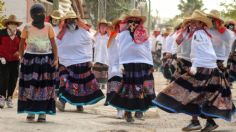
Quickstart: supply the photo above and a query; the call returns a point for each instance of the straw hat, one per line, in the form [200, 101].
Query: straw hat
[169, 30]
[109, 24]
[70, 15]
[199, 16]
[102, 21]
[56, 14]
[215, 14]
[137, 14]
[11, 19]
[117, 20]
[231, 21]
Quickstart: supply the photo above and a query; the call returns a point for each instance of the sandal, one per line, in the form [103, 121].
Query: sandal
[42, 118]
[30, 118]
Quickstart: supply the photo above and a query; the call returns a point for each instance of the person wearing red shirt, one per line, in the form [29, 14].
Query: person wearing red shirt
[9, 59]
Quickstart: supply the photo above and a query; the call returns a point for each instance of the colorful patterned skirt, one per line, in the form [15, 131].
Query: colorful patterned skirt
[232, 68]
[137, 90]
[168, 67]
[101, 72]
[113, 87]
[37, 85]
[205, 94]
[156, 59]
[182, 66]
[78, 85]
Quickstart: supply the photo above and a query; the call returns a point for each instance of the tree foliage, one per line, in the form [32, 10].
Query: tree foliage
[113, 9]
[2, 16]
[186, 7]
[229, 11]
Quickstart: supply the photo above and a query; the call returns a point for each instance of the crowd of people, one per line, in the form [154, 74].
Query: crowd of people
[60, 60]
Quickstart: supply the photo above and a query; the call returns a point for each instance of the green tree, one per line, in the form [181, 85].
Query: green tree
[113, 9]
[229, 11]
[1, 12]
[188, 6]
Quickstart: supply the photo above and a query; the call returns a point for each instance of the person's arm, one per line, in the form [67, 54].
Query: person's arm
[21, 47]
[22, 42]
[54, 47]
[55, 52]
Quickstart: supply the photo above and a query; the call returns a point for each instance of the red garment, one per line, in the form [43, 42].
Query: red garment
[9, 47]
[140, 35]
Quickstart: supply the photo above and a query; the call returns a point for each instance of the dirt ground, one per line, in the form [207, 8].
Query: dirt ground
[100, 118]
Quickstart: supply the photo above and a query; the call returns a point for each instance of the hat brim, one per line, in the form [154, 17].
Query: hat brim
[116, 21]
[54, 17]
[207, 21]
[212, 16]
[70, 17]
[6, 21]
[143, 18]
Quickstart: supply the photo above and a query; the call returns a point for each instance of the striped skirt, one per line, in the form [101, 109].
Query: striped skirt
[113, 86]
[78, 85]
[206, 94]
[232, 68]
[137, 90]
[168, 67]
[182, 66]
[101, 72]
[37, 85]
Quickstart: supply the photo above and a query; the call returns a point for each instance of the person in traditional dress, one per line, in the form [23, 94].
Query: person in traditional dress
[9, 59]
[222, 39]
[78, 85]
[114, 71]
[55, 20]
[155, 48]
[203, 90]
[38, 67]
[100, 67]
[167, 59]
[231, 64]
[137, 90]
[183, 49]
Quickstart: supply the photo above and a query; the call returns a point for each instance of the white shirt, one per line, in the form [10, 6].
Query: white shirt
[129, 52]
[184, 49]
[154, 43]
[100, 46]
[75, 47]
[202, 51]
[114, 66]
[222, 43]
[170, 46]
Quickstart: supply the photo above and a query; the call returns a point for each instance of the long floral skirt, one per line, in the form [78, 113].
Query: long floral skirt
[37, 85]
[78, 85]
[206, 94]
[137, 90]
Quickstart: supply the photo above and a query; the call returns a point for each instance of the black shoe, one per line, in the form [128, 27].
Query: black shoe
[193, 126]
[210, 126]
[80, 108]
[139, 115]
[106, 103]
[128, 117]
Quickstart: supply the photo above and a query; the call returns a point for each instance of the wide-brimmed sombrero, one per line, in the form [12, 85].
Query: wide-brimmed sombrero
[11, 19]
[198, 16]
